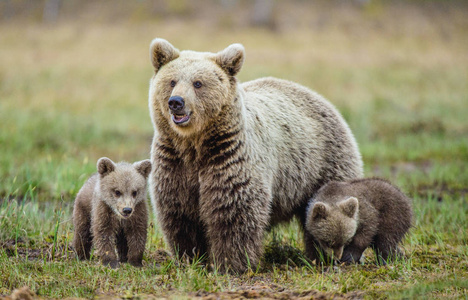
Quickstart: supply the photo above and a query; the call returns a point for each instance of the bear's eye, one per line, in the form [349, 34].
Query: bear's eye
[173, 83]
[197, 84]
[134, 193]
[118, 193]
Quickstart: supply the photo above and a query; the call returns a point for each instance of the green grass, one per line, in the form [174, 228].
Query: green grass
[73, 93]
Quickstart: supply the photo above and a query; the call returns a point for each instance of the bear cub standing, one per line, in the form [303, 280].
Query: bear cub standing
[344, 218]
[111, 212]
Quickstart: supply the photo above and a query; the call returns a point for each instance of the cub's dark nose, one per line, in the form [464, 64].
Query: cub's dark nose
[176, 103]
[126, 211]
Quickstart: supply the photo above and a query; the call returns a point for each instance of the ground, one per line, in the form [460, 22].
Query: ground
[73, 92]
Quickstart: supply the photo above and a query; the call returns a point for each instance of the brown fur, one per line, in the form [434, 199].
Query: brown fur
[23, 293]
[250, 156]
[345, 218]
[98, 213]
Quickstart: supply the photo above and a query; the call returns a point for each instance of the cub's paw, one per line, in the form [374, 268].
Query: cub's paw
[349, 258]
[113, 263]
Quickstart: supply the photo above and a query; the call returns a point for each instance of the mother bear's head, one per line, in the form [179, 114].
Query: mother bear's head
[190, 89]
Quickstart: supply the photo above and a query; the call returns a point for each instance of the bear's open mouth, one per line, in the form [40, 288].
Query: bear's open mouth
[180, 119]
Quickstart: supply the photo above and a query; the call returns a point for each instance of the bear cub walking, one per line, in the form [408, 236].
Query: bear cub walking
[111, 212]
[344, 218]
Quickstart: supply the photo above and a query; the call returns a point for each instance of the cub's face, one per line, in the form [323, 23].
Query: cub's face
[122, 186]
[189, 89]
[333, 225]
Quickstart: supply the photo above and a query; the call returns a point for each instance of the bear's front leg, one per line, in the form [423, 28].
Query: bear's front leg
[104, 227]
[364, 237]
[135, 231]
[184, 236]
[236, 213]
[313, 251]
[175, 196]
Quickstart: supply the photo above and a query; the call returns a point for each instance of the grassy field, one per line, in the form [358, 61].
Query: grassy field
[71, 93]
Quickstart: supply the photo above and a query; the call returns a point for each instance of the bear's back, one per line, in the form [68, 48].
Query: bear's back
[302, 139]
[394, 207]
[85, 195]
[287, 97]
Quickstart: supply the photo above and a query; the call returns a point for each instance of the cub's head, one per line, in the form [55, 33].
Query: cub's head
[122, 185]
[191, 88]
[333, 225]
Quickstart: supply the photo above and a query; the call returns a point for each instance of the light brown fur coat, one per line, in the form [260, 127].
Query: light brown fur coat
[250, 155]
[111, 212]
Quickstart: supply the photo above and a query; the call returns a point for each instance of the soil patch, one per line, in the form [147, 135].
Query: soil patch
[44, 250]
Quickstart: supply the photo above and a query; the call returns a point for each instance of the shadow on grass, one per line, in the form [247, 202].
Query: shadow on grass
[277, 253]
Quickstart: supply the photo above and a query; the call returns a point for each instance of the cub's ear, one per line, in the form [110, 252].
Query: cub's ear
[349, 207]
[105, 166]
[162, 52]
[319, 211]
[231, 59]
[143, 167]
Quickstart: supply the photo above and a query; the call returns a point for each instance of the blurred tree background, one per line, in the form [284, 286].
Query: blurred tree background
[273, 14]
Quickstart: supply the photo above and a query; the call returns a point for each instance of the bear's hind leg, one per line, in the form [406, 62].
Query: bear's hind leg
[386, 250]
[82, 239]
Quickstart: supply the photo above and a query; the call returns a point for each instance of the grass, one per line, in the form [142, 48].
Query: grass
[72, 93]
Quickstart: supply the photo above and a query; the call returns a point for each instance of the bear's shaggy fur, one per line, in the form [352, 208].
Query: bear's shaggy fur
[111, 212]
[229, 159]
[345, 218]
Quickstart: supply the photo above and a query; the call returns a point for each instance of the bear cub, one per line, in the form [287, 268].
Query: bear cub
[344, 218]
[111, 213]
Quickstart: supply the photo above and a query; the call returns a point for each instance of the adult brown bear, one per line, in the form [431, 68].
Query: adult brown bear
[230, 159]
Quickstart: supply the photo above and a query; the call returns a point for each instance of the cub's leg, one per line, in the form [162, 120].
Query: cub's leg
[386, 250]
[135, 233]
[104, 228]
[352, 253]
[363, 238]
[122, 246]
[82, 239]
[313, 251]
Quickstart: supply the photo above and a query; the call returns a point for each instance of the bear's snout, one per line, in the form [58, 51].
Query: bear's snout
[179, 114]
[126, 211]
[176, 104]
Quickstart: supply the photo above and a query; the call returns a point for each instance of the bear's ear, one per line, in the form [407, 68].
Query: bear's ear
[105, 166]
[319, 211]
[162, 52]
[231, 59]
[349, 207]
[143, 167]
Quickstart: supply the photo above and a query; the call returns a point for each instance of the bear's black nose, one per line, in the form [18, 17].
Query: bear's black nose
[176, 103]
[127, 210]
